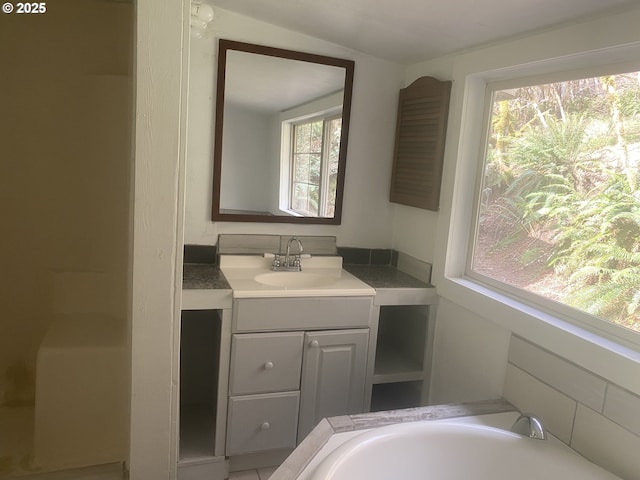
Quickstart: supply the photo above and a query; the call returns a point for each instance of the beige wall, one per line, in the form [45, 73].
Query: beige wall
[65, 157]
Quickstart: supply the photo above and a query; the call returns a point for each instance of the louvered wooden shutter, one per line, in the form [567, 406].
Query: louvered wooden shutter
[421, 127]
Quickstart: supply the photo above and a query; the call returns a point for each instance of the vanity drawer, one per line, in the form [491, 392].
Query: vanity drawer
[304, 313]
[262, 422]
[265, 362]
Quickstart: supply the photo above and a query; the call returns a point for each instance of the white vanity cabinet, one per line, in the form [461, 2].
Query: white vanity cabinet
[264, 395]
[293, 362]
[265, 362]
[333, 376]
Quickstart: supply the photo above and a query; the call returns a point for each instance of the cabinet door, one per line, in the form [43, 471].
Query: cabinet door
[333, 375]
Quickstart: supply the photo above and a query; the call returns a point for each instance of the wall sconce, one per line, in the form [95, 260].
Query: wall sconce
[201, 17]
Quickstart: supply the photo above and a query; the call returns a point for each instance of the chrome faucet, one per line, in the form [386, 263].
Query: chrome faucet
[288, 265]
[296, 260]
[530, 426]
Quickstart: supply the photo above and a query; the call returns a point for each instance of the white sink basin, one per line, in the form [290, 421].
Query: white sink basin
[250, 276]
[295, 279]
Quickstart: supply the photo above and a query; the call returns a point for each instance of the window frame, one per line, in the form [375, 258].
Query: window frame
[287, 122]
[326, 118]
[515, 295]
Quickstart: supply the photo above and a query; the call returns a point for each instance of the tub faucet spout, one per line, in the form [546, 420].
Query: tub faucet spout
[530, 426]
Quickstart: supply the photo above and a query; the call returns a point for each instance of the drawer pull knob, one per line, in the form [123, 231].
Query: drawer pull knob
[268, 365]
[314, 343]
[265, 426]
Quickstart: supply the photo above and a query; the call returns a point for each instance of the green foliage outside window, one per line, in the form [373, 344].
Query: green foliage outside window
[560, 202]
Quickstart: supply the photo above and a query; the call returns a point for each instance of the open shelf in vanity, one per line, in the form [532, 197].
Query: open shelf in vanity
[199, 364]
[403, 351]
[401, 342]
[203, 392]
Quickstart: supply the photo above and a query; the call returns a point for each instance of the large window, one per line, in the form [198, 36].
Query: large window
[314, 166]
[558, 217]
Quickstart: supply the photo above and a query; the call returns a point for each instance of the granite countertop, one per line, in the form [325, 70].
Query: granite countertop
[209, 276]
[205, 286]
[385, 276]
[203, 276]
[320, 435]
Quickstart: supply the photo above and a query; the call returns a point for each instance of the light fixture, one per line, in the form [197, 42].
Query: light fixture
[201, 17]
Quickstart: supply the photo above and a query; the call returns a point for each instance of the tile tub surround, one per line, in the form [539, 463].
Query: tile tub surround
[595, 417]
[320, 435]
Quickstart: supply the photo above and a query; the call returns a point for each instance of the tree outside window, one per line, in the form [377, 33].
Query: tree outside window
[559, 205]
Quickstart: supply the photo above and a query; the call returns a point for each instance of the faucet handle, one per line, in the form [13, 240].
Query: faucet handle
[276, 259]
[297, 258]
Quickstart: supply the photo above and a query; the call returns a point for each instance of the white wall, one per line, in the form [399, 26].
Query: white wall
[248, 165]
[162, 40]
[367, 213]
[474, 326]
[414, 229]
[551, 367]
[470, 359]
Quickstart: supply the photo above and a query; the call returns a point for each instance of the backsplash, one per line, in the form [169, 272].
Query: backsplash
[595, 417]
[368, 256]
[200, 254]
[251, 244]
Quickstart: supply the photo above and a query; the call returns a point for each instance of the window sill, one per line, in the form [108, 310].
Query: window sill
[603, 356]
[291, 212]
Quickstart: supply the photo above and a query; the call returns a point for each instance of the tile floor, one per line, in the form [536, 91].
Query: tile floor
[259, 474]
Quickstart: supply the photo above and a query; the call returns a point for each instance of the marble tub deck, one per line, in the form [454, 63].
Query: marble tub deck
[320, 435]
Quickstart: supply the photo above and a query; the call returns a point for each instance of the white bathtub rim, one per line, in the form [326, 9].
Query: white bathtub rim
[500, 422]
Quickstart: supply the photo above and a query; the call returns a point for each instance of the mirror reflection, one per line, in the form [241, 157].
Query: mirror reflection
[281, 135]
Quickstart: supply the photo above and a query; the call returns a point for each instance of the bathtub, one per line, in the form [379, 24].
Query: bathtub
[451, 450]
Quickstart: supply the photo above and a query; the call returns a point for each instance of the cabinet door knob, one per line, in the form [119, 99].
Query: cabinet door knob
[265, 426]
[314, 343]
[268, 365]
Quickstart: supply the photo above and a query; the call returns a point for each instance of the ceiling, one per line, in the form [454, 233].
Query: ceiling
[271, 84]
[410, 31]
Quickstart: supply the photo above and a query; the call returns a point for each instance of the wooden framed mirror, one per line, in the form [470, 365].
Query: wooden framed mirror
[281, 132]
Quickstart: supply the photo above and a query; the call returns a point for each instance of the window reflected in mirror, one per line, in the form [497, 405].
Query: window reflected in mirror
[314, 166]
